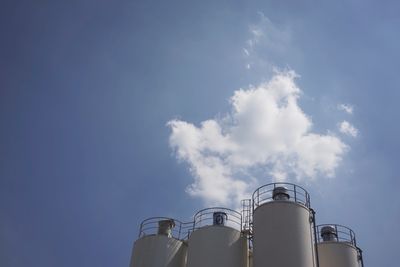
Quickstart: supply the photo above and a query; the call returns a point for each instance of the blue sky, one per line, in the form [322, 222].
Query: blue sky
[87, 89]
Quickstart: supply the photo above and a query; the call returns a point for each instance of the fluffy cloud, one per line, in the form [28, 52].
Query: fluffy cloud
[346, 128]
[266, 134]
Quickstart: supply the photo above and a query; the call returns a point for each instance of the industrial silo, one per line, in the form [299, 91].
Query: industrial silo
[217, 240]
[337, 247]
[282, 227]
[160, 244]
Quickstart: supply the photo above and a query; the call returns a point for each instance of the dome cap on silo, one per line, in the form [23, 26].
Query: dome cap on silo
[329, 233]
[280, 193]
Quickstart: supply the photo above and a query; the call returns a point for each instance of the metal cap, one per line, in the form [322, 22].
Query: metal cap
[328, 233]
[280, 193]
[219, 218]
[165, 227]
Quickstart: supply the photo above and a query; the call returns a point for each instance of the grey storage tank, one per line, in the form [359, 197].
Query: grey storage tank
[160, 243]
[337, 247]
[282, 227]
[217, 240]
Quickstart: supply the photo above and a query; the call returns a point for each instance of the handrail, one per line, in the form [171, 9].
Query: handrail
[150, 226]
[343, 234]
[204, 217]
[296, 193]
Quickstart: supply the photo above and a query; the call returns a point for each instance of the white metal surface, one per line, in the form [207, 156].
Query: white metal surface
[337, 254]
[158, 251]
[217, 246]
[250, 258]
[282, 235]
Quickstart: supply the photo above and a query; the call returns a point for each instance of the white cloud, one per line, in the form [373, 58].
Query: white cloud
[346, 128]
[266, 134]
[346, 107]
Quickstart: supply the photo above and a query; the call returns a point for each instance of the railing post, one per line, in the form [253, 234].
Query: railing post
[337, 233]
[360, 257]
[140, 229]
[252, 203]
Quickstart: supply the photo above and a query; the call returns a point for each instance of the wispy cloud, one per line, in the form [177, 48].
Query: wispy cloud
[264, 35]
[266, 134]
[346, 128]
[346, 108]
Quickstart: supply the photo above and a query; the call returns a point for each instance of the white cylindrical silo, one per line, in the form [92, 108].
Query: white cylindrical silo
[251, 258]
[337, 247]
[159, 245]
[217, 240]
[282, 227]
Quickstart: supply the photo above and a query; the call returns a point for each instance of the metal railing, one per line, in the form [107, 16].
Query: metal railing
[296, 194]
[343, 234]
[150, 226]
[205, 217]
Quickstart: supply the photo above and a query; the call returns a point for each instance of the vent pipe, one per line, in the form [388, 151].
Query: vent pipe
[280, 193]
[328, 233]
[165, 227]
